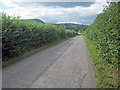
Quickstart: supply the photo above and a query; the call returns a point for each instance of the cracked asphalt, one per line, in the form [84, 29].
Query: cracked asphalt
[66, 65]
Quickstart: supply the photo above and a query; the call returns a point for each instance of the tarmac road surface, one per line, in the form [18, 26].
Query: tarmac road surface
[66, 65]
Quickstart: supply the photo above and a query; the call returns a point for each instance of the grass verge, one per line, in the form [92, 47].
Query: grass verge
[106, 76]
[30, 53]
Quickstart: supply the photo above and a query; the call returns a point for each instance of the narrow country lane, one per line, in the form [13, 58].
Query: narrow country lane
[66, 65]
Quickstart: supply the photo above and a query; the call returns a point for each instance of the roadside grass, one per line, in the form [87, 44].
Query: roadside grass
[31, 52]
[106, 75]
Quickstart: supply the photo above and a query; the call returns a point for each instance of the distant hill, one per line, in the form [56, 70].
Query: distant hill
[37, 20]
[71, 26]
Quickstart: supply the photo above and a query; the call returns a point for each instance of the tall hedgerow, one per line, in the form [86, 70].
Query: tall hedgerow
[105, 33]
[19, 36]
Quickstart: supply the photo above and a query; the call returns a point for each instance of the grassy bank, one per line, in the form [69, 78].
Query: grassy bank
[106, 75]
[30, 53]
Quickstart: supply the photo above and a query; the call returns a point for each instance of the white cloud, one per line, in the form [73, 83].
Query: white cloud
[75, 14]
[69, 22]
[8, 1]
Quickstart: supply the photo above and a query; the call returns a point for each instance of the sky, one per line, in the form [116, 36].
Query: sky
[54, 11]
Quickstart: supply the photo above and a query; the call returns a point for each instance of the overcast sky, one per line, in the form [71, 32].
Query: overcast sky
[54, 11]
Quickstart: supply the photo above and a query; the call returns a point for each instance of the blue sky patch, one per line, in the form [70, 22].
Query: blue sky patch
[4, 7]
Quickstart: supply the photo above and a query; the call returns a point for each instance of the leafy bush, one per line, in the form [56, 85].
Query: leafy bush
[105, 33]
[19, 36]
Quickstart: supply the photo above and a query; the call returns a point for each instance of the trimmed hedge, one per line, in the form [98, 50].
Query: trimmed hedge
[18, 36]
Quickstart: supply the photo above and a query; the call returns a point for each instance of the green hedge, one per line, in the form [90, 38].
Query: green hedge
[105, 33]
[18, 36]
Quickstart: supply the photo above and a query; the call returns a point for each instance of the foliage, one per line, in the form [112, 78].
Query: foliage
[27, 54]
[19, 36]
[83, 28]
[106, 76]
[105, 33]
[37, 20]
[105, 36]
[71, 26]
